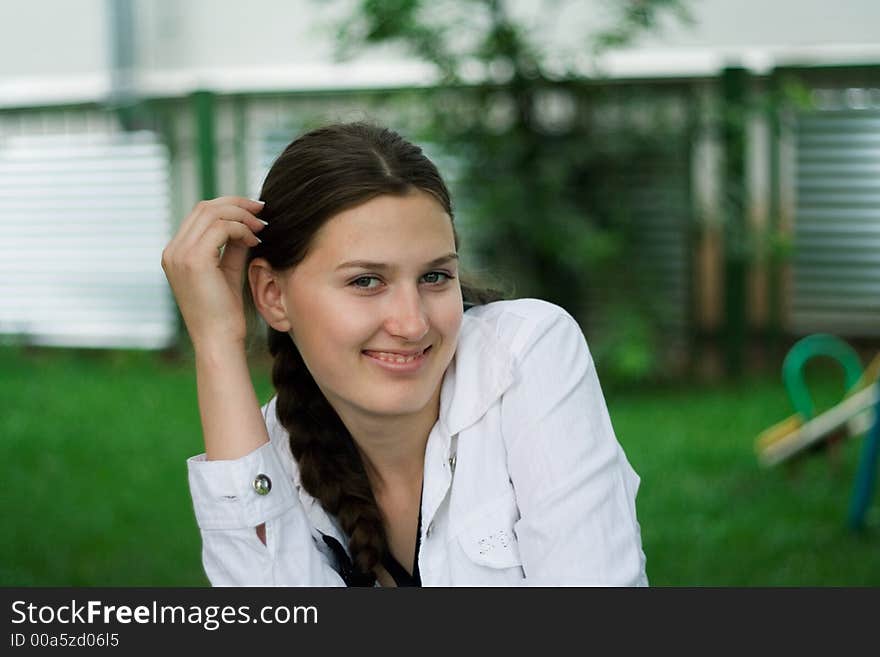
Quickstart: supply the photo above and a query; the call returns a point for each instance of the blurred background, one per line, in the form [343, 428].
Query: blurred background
[696, 181]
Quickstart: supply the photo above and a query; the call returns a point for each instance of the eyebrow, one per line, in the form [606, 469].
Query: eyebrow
[381, 266]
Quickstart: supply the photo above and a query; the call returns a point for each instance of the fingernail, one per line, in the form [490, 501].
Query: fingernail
[256, 200]
[259, 240]
[265, 223]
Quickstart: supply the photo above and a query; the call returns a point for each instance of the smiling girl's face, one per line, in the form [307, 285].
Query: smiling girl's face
[375, 307]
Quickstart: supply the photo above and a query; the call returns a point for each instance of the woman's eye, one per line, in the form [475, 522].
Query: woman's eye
[363, 282]
[432, 277]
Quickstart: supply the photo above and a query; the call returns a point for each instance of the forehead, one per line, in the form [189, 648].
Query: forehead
[388, 228]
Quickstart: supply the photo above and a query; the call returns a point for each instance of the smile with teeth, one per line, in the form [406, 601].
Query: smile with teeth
[394, 358]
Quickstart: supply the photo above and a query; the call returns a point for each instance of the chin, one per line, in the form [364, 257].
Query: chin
[398, 406]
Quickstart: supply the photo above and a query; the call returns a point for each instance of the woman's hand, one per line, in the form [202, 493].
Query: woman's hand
[206, 284]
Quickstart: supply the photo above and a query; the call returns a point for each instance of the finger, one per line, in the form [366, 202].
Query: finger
[196, 222]
[211, 215]
[249, 204]
[223, 234]
[205, 255]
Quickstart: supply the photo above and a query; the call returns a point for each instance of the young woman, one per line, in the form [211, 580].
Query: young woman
[422, 433]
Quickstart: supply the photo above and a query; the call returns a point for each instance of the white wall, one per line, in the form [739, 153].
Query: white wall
[58, 51]
[53, 50]
[52, 37]
[258, 45]
[759, 34]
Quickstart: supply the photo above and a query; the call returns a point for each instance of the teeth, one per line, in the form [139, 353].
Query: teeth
[394, 358]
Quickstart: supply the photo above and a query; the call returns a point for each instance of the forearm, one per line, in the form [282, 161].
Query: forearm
[232, 422]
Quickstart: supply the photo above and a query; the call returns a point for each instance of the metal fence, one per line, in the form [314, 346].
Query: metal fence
[85, 216]
[90, 206]
[836, 265]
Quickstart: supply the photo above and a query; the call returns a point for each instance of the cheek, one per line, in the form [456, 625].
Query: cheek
[326, 329]
[344, 330]
[447, 319]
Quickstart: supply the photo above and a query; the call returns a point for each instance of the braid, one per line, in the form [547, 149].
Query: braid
[330, 466]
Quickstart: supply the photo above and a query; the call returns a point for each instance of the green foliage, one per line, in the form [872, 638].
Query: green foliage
[631, 347]
[529, 158]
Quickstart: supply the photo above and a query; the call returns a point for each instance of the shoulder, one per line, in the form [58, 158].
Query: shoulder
[521, 323]
[525, 309]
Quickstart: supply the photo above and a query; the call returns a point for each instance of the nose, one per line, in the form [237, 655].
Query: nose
[406, 318]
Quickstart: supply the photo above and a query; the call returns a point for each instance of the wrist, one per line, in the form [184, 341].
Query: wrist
[219, 351]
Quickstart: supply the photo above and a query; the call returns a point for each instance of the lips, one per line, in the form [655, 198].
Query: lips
[396, 356]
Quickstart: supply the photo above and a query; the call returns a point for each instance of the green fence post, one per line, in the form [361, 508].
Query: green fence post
[203, 102]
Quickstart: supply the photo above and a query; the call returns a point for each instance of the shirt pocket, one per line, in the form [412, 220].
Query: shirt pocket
[488, 538]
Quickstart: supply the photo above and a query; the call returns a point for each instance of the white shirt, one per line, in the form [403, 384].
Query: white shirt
[525, 482]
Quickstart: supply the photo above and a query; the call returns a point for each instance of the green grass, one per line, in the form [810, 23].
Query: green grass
[94, 449]
[94, 446]
[711, 516]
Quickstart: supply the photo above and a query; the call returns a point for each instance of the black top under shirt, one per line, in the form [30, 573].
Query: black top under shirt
[398, 573]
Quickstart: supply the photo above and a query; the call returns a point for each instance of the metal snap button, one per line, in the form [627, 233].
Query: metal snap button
[262, 484]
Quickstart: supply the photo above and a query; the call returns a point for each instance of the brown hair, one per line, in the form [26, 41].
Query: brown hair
[320, 174]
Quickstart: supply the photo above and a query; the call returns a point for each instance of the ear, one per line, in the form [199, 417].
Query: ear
[268, 293]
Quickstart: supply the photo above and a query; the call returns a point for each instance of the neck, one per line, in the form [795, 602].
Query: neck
[393, 448]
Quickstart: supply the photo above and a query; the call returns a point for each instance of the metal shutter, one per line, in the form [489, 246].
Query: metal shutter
[657, 193]
[836, 266]
[651, 193]
[263, 153]
[84, 220]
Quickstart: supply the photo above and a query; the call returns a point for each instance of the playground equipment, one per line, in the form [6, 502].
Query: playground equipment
[856, 414]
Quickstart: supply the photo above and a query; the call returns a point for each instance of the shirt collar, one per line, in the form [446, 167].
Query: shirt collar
[479, 373]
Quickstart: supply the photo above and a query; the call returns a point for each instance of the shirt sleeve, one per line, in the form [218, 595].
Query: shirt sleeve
[574, 487]
[229, 505]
